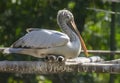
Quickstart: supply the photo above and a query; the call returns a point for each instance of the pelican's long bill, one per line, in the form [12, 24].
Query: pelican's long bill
[81, 39]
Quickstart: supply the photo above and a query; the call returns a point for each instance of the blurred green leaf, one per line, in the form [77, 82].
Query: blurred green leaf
[18, 15]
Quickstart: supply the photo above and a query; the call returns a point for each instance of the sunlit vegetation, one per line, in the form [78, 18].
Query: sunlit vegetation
[18, 15]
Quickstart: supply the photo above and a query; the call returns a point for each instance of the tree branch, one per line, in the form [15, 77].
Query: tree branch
[105, 11]
[89, 51]
[117, 1]
[102, 52]
[71, 65]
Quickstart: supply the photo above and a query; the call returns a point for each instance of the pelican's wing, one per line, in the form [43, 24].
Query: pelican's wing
[42, 38]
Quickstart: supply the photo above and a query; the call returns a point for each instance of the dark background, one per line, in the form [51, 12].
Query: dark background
[99, 27]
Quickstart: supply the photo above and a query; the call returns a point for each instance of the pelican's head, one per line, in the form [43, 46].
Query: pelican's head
[67, 17]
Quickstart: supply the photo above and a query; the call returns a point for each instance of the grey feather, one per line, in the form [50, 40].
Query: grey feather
[41, 38]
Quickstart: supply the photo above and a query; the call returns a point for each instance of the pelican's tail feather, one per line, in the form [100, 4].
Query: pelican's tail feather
[2, 49]
[40, 53]
[6, 50]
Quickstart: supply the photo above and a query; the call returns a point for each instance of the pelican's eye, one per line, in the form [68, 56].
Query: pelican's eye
[68, 16]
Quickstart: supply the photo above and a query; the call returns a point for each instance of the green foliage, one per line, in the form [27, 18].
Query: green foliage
[18, 15]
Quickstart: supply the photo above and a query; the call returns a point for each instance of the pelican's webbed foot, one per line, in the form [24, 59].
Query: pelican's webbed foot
[60, 59]
[54, 58]
[50, 58]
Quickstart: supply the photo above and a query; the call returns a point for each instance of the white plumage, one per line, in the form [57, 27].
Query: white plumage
[43, 42]
[42, 38]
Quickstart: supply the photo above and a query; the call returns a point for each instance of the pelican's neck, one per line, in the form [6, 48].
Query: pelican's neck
[66, 29]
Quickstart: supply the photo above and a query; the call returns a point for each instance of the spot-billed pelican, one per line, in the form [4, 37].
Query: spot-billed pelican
[42, 42]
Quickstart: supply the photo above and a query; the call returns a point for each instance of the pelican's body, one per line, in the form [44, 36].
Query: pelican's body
[43, 42]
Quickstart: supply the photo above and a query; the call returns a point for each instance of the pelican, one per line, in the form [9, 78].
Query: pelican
[43, 42]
